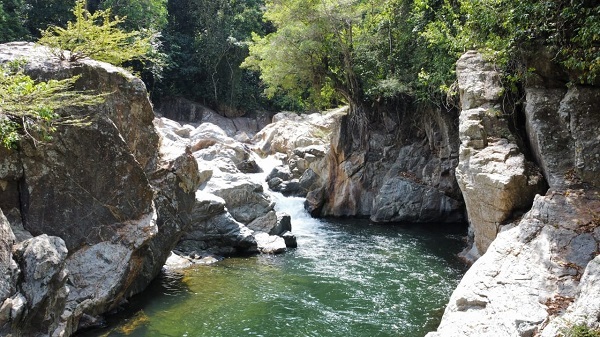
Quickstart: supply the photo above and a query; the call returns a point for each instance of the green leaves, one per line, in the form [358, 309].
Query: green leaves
[28, 108]
[97, 36]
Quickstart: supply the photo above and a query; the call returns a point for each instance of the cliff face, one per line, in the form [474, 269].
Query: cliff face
[540, 274]
[405, 174]
[90, 192]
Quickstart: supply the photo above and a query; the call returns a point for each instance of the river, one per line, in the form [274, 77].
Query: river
[347, 278]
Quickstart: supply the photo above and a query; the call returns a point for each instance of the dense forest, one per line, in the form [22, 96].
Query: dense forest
[239, 56]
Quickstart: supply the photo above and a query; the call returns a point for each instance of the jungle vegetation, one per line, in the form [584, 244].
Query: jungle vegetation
[314, 54]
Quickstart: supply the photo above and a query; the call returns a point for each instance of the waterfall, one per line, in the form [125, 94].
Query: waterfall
[294, 206]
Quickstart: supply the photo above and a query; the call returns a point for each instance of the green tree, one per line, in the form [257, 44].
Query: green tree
[205, 41]
[11, 21]
[38, 15]
[96, 36]
[141, 14]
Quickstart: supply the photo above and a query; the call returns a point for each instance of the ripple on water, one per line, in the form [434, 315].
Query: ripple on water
[347, 278]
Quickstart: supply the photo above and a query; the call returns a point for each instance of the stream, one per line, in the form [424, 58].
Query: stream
[346, 278]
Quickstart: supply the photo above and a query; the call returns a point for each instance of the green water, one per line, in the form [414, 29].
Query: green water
[347, 278]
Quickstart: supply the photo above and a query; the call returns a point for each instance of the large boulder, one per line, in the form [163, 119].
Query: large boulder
[495, 178]
[531, 274]
[563, 125]
[290, 131]
[91, 187]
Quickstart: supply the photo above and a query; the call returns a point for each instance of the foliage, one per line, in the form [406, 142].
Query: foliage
[579, 330]
[29, 108]
[11, 25]
[205, 41]
[141, 14]
[509, 29]
[96, 36]
[38, 15]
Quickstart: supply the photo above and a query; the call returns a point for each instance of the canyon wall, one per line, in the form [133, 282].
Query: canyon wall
[539, 274]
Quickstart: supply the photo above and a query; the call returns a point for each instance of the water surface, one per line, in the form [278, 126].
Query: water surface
[347, 278]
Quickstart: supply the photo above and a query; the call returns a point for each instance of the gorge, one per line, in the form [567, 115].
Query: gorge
[90, 218]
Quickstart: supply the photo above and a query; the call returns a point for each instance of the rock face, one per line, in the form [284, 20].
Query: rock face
[92, 191]
[231, 209]
[495, 178]
[186, 111]
[540, 275]
[393, 180]
[532, 273]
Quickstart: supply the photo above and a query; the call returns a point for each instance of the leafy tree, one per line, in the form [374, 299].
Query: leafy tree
[38, 15]
[96, 36]
[141, 14]
[28, 108]
[205, 41]
[11, 25]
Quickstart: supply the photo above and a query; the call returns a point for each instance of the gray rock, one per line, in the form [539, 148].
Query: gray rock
[221, 234]
[244, 199]
[290, 239]
[478, 81]
[532, 274]
[8, 268]
[563, 129]
[42, 261]
[270, 244]
[403, 200]
[265, 224]
[495, 178]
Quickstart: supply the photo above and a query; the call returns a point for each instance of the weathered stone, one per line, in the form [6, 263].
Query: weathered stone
[585, 308]
[290, 131]
[478, 81]
[8, 267]
[290, 239]
[42, 261]
[496, 182]
[244, 199]
[563, 126]
[265, 224]
[270, 244]
[531, 272]
[221, 234]
[403, 200]
[176, 182]
[284, 223]
[495, 178]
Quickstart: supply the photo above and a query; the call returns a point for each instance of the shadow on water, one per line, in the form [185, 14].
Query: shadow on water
[347, 278]
[167, 290]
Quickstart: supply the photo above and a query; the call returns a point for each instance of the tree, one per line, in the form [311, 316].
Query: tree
[205, 41]
[38, 15]
[96, 36]
[28, 108]
[11, 25]
[141, 14]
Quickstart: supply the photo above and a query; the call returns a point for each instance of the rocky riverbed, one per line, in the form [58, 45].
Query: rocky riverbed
[89, 219]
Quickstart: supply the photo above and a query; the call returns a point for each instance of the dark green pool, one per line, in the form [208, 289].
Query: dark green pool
[347, 278]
